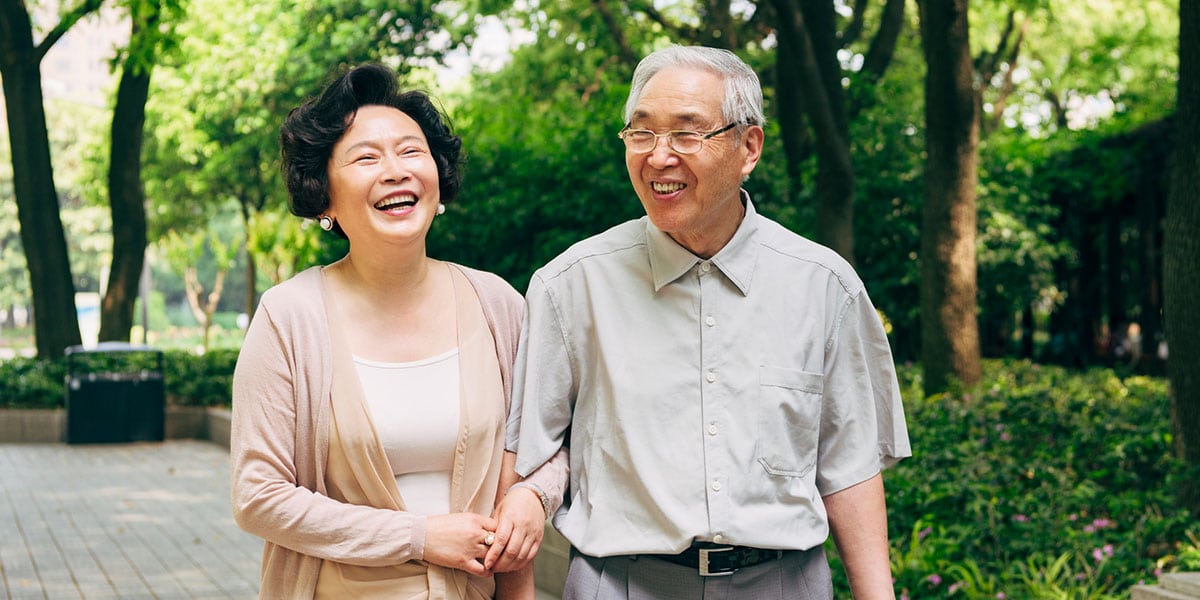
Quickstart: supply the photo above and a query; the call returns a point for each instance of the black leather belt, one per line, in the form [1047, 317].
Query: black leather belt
[714, 559]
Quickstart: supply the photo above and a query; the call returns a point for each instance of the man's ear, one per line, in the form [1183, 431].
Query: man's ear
[752, 145]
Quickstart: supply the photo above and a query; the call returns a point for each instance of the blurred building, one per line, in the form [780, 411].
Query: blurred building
[78, 68]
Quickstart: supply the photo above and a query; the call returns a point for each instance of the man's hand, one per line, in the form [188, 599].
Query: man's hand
[520, 526]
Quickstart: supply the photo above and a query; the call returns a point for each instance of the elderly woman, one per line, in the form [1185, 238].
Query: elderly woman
[370, 395]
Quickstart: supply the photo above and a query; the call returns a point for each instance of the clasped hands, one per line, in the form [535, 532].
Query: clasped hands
[482, 546]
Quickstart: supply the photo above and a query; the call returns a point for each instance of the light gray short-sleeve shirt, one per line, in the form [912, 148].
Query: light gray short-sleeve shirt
[713, 400]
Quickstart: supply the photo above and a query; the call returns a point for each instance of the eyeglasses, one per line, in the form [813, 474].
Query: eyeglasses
[641, 141]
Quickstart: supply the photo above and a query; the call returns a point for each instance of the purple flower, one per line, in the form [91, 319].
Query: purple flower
[1098, 554]
[1001, 596]
[924, 533]
[1108, 549]
[935, 579]
[954, 587]
[1020, 518]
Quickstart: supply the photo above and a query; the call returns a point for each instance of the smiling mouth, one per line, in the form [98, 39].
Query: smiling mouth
[667, 188]
[399, 201]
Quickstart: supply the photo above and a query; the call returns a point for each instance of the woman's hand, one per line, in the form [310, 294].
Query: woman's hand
[521, 522]
[459, 541]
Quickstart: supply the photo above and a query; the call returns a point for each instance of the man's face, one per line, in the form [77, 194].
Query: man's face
[694, 198]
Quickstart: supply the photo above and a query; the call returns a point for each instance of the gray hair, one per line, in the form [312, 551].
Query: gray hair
[743, 103]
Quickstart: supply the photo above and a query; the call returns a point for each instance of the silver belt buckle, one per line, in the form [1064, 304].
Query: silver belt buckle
[704, 572]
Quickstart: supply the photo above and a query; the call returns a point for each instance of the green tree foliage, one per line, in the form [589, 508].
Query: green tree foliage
[533, 186]
[184, 251]
[14, 278]
[1106, 64]
[216, 107]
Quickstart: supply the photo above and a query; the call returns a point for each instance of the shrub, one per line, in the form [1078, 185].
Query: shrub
[190, 379]
[31, 383]
[1038, 483]
[200, 380]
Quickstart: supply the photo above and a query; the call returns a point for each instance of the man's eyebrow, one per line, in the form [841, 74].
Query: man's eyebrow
[687, 118]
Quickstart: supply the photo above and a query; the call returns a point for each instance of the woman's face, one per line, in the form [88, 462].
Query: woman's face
[383, 180]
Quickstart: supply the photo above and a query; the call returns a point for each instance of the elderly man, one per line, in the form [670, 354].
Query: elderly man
[724, 386]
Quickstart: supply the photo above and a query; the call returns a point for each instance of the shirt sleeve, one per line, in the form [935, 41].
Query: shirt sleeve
[863, 430]
[543, 385]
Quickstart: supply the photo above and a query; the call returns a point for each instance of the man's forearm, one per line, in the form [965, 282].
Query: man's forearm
[858, 520]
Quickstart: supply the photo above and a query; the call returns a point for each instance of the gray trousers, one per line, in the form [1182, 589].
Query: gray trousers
[797, 575]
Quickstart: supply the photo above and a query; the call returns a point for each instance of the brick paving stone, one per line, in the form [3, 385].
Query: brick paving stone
[128, 521]
[123, 521]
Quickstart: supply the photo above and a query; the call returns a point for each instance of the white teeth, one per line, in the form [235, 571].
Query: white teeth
[395, 201]
[667, 188]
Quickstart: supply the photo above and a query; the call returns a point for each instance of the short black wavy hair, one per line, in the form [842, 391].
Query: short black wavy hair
[310, 131]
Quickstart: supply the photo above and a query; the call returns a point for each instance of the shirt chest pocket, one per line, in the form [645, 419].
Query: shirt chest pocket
[789, 421]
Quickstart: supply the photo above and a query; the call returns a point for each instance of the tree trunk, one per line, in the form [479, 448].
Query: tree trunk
[1114, 268]
[717, 28]
[949, 327]
[1181, 261]
[797, 146]
[251, 299]
[1149, 215]
[883, 45]
[127, 201]
[55, 322]
[1028, 330]
[813, 55]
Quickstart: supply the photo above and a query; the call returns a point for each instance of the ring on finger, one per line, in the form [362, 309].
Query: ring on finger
[489, 539]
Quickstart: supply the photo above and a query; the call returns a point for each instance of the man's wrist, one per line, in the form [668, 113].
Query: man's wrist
[536, 489]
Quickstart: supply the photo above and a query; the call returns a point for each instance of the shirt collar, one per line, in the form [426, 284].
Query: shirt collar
[669, 260]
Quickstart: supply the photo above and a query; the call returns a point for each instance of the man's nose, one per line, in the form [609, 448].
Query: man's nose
[662, 154]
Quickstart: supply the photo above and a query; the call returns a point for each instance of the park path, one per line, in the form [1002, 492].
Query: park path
[146, 520]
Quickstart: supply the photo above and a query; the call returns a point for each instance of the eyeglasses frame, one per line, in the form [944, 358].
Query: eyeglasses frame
[667, 134]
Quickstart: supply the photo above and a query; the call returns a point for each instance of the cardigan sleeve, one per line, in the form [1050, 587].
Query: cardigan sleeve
[505, 311]
[275, 493]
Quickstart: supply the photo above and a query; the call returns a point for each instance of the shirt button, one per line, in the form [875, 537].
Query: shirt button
[705, 267]
[710, 377]
[716, 486]
[710, 321]
[712, 430]
[717, 539]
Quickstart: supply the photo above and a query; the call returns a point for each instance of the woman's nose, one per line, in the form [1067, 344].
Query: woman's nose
[393, 169]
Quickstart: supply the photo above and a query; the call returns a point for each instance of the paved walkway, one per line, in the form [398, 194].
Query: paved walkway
[145, 520]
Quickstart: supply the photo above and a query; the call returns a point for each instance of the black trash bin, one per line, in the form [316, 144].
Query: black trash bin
[115, 393]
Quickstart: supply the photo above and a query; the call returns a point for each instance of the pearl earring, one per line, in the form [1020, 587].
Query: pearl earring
[441, 210]
[325, 222]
